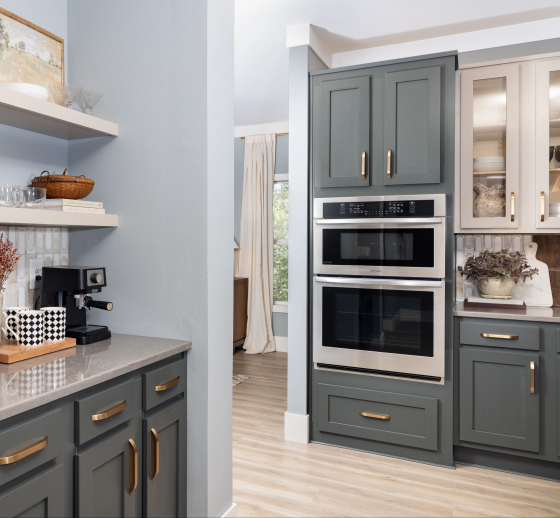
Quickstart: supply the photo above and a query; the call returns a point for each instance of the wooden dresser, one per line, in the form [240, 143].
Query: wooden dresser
[240, 295]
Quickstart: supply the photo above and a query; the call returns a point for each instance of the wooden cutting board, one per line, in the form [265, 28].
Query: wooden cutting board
[535, 291]
[11, 352]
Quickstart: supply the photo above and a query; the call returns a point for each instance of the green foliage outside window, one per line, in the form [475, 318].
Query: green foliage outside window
[280, 218]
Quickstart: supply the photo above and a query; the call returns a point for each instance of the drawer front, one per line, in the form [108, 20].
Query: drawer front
[103, 411]
[389, 417]
[30, 444]
[164, 383]
[506, 334]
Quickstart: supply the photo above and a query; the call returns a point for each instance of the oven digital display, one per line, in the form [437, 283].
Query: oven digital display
[379, 209]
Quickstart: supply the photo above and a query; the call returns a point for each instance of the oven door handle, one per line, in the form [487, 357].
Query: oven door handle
[379, 221]
[380, 282]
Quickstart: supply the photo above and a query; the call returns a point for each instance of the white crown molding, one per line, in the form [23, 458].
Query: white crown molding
[260, 129]
[307, 35]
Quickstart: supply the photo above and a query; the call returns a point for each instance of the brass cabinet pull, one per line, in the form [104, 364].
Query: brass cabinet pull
[389, 164]
[504, 337]
[542, 206]
[155, 454]
[383, 417]
[363, 165]
[132, 466]
[38, 446]
[168, 385]
[532, 377]
[512, 206]
[112, 411]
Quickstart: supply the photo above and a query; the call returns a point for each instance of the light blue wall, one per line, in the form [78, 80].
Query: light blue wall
[166, 71]
[24, 154]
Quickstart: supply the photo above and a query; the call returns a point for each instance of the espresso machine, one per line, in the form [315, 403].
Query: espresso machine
[71, 287]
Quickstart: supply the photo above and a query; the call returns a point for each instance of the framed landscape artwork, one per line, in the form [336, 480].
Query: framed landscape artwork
[29, 54]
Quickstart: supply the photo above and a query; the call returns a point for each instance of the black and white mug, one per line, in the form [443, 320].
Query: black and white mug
[55, 323]
[8, 312]
[28, 327]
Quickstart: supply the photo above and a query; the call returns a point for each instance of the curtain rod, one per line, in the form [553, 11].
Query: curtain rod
[277, 134]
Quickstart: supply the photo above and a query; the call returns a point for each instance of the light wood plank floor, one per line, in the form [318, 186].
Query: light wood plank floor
[272, 477]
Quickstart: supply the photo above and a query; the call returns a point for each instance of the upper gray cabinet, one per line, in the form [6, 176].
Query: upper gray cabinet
[342, 133]
[412, 126]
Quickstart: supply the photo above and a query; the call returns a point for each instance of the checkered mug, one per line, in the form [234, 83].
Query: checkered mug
[55, 323]
[28, 328]
[9, 312]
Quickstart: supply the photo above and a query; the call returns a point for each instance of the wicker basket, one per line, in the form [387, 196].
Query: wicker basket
[62, 186]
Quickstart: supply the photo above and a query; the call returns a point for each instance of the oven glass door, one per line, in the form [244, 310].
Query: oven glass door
[380, 320]
[400, 247]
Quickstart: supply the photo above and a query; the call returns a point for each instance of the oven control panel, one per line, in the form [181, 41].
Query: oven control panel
[379, 209]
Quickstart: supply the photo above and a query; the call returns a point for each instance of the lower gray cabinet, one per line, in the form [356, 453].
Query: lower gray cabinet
[499, 398]
[107, 475]
[165, 462]
[39, 497]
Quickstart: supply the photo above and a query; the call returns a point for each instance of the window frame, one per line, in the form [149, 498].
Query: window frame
[278, 306]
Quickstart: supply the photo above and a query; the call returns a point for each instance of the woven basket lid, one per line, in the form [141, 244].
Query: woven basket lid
[61, 178]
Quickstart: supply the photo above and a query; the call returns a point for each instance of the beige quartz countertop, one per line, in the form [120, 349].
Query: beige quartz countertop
[31, 383]
[534, 314]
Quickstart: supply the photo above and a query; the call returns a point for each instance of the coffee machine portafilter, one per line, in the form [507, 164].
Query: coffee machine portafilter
[71, 287]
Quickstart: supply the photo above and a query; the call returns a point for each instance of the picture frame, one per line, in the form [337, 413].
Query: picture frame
[36, 55]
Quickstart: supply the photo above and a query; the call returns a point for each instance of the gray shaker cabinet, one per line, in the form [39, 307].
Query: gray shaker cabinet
[342, 135]
[165, 465]
[499, 398]
[412, 126]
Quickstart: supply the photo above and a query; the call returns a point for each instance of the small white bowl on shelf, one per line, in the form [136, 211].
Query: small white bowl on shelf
[39, 92]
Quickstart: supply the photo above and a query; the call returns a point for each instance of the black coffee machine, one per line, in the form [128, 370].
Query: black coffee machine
[70, 287]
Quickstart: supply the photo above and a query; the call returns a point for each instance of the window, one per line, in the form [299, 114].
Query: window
[280, 219]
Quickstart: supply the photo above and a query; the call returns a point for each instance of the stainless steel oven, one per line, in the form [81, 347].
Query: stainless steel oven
[389, 326]
[401, 236]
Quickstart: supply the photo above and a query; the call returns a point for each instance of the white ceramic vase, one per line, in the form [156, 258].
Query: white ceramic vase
[496, 288]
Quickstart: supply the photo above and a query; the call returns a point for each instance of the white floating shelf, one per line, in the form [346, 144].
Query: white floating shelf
[25, 112]
[55, 218]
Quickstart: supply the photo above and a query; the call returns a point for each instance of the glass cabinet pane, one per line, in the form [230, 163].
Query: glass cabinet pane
[489, 148]
[554, 145]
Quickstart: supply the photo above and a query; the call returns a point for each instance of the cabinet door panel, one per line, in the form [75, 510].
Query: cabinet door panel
[412, 126]
[496, 404]
[165, 447]
[343, 132]
[103, 477]
[40, 497]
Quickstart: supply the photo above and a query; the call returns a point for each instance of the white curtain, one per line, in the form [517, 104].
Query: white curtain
[256, 240]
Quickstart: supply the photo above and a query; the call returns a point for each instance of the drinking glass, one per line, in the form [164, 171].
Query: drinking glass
[7, 196]
[89, 99]
[70, 93]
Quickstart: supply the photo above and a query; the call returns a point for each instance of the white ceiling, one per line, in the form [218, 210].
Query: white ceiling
[261, 56]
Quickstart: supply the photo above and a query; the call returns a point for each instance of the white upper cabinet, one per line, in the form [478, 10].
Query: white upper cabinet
[490, 147]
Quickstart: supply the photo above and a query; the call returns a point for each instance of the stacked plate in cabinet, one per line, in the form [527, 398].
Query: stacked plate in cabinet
[489, 163]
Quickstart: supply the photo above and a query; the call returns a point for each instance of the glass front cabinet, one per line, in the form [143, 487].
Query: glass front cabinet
[490, 147]
[547, 144]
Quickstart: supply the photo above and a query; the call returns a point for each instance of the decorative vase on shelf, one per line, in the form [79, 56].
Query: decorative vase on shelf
[496, 287]
[490, 202]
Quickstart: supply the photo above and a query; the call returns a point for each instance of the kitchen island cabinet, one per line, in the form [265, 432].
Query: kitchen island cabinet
[71, 428]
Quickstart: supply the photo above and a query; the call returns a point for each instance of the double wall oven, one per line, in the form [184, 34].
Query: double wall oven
[379, 293]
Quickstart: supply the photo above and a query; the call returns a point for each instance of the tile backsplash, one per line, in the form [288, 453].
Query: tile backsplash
[47, 243]
[467, 245]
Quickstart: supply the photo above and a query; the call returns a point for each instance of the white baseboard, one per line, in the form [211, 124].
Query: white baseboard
[231, 512]
[296, 427]
[281, 344]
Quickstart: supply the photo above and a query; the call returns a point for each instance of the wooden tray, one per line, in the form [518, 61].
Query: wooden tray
[495, 305]
[10, 352]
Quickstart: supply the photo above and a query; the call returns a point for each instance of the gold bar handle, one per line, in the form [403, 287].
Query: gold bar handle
[112, 411]
[389, 164]
[363, 165]
[38, 446]
[542, 206]
[132, 466]
[383, 417]
[155, 454]
[512, 206]
[532, 377]
[504, 337]
[168, 385]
